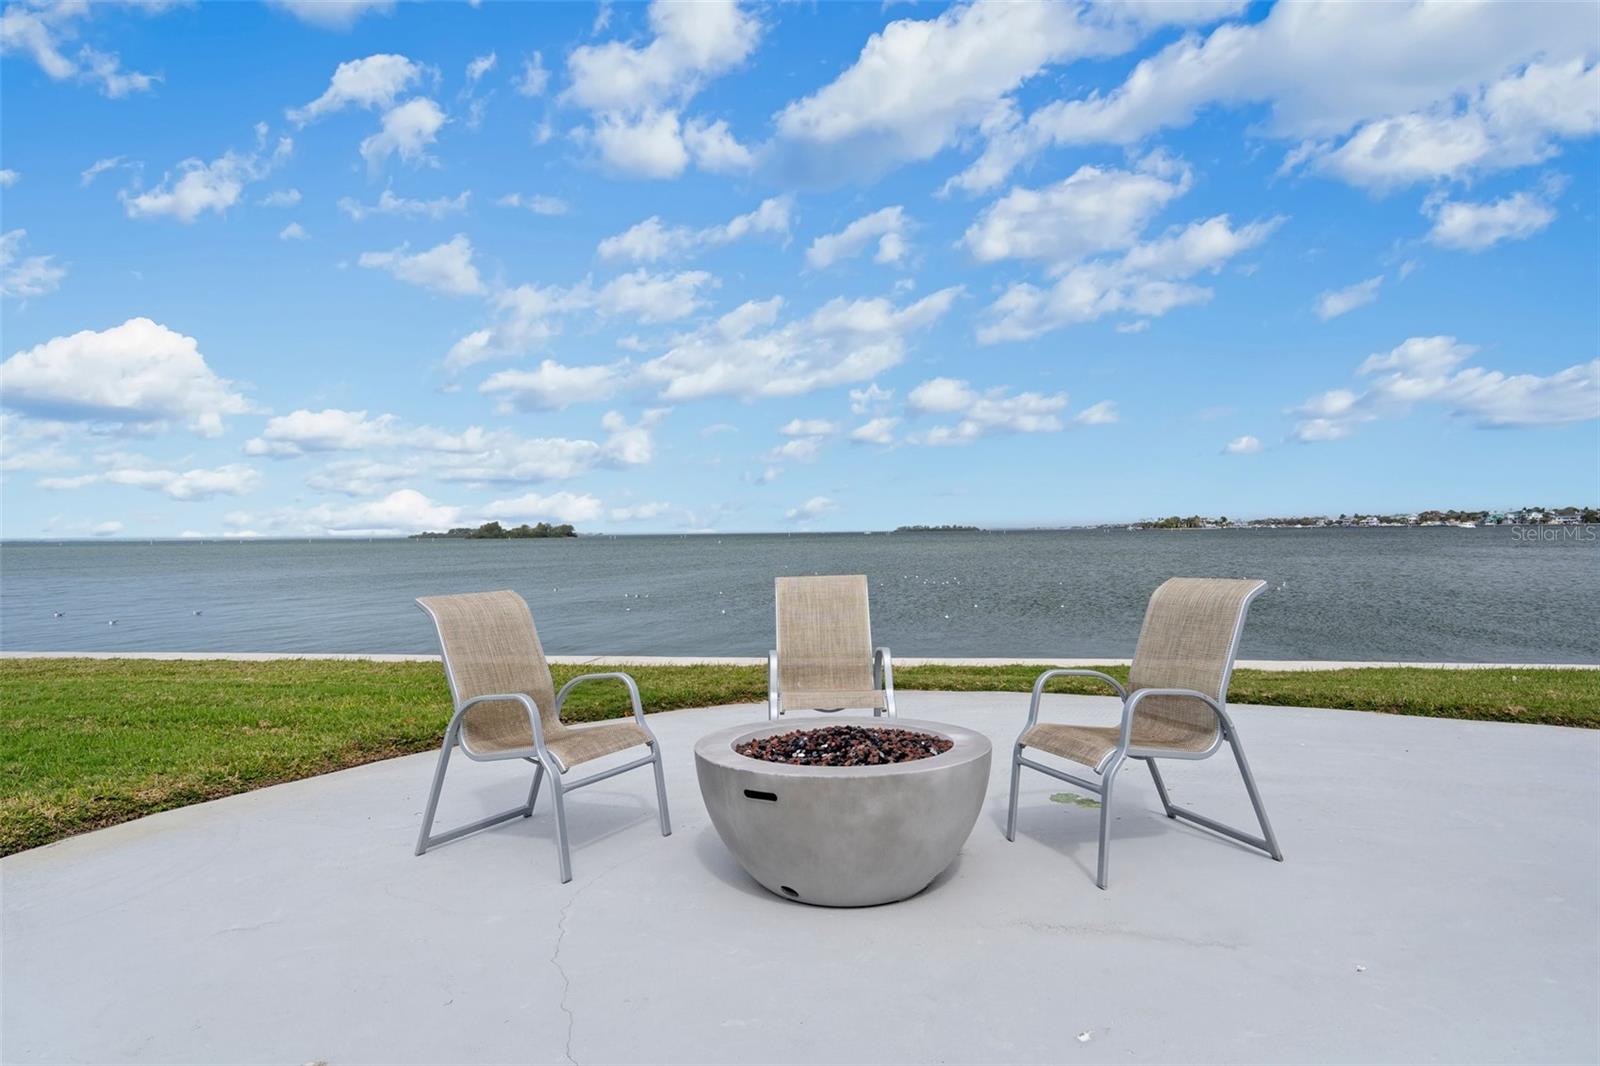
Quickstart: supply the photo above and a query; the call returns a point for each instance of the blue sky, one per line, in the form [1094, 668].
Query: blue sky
[361, 268]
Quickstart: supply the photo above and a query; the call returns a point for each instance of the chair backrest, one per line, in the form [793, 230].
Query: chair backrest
[1189, 639]
[490, 646]
[824, 634]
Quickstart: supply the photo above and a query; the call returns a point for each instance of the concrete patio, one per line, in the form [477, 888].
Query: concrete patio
[1440, 902]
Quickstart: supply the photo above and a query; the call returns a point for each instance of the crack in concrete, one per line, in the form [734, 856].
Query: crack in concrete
[566, 982]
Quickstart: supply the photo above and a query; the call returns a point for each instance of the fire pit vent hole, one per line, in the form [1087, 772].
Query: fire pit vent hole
[770, 797]
[791, 893]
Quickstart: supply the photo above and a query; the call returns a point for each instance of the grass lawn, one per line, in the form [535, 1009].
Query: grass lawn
[93, 742]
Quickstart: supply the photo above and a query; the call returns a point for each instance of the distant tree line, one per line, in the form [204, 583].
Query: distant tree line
[937, 529]
[495, 531]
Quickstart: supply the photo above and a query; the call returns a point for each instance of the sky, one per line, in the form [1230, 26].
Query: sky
[369, 268]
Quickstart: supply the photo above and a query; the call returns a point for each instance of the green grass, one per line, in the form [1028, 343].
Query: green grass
[92, 742]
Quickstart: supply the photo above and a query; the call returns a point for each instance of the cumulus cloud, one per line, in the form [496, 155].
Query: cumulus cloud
[138, 374]
[553, 386]
[294, 231]
[44, 32]
[201, 483]
[636, 92]
[875, 431]
[333, 14]
[1430, 370]
[198, 186]
[1092, 211]
[9, 177]
[24, 276]
[746, 353]
[480, 66]
[374, 82]
[1245, 445]
[1103, 413]
[814, 508]
[651, 240]
[1336, 302]
[1343, 80]
[558, 507]
[981, 414]
[887, 226]
[1473, 227]
[1149, 280]
[445, 268]
[534, 77]
[406, 130]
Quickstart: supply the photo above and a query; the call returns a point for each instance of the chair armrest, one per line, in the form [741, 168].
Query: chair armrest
[772, 685]
[1132, 705]
[1038, 688]
[627, 681]
[883, 669]
[527, 704]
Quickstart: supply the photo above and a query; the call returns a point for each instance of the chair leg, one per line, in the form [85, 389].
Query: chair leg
[1255, 798]
[1107, 779]
[1016, 784]
[533, 793]
[433, 793]
[1161, 787]
[561, 827]
[661, 793]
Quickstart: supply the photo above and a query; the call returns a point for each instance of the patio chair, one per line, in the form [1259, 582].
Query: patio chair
[1175, 706]
[506, 707]
[825, 660]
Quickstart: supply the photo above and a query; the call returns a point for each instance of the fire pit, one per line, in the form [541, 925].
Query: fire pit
[853, 815]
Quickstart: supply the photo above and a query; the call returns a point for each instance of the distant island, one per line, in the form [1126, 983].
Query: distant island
[1528, 516]
[937, 529]
[495, 531]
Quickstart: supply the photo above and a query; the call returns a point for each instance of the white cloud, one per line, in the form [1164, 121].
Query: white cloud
[537, 203]
[1473, 227]
[23, 276]
[815, 507]
[921, 84]
[875, 431]
[481, 66]
[281, 198]
[99, 166]
[333, 14]
[808, 427]
[1103, 413]
[1336, 302]
[994, 410]
[650, 240]
[373, 82]
[888, 226]
[1149, 280]
[653, 298]
[216, 186]
[534, 77]
[1430, 370]
[402, 512]
[235, 479]
[406, 130]
[294, 231]
[474, 455]
[1094, 210]
[42, 32]
[641, 512]
[1335, 70]
[1245, 445]
[443, 268]
[106, 529]
[390, 204]
[136, 374]
[553, 385]
[745, 354]
[557, 507]
[636, 92]
[870, 400]
[9, 178]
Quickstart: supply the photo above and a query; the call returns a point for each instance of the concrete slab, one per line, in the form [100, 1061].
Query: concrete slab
[1439, 903]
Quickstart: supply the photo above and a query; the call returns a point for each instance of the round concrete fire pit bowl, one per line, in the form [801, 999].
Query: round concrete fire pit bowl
[844, 836]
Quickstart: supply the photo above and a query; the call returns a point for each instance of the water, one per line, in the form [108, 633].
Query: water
[1366, 594]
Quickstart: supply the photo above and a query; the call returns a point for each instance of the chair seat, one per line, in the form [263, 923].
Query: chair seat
[570, 747]
[1092, 745]
[829, 700]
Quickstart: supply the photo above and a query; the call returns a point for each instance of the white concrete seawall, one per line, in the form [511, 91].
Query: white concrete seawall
[738, 660]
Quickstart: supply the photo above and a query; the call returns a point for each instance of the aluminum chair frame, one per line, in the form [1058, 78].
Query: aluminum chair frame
[882, 679]
[541, 759]
[1126, 749]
